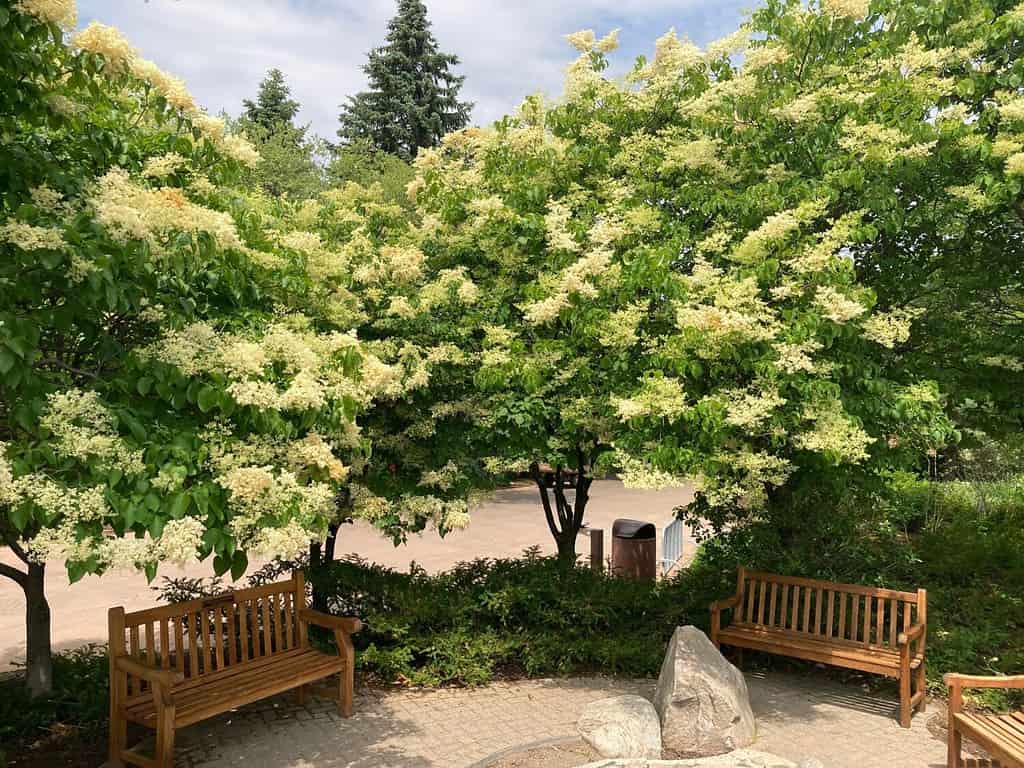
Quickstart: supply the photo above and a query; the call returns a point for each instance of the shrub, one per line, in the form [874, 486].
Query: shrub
[491, 617]
[72, 717]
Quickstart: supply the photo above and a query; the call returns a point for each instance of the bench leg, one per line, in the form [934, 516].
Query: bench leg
[955, 743]
[118, 738]
[905, 697]
[300, 695]
[163, 753]
[739, 658]
[346, 680]
[922, 687]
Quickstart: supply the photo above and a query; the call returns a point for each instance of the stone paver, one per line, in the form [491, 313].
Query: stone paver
[798, 717]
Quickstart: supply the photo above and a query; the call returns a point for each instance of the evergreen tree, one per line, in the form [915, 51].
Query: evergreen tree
[413, 99]
[273, 106]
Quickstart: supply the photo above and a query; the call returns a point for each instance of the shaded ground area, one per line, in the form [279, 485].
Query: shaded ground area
[508, 523]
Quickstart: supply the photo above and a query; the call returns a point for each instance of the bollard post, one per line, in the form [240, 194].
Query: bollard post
[597, 549]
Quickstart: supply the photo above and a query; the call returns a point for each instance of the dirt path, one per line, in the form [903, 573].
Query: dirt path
[508, 523]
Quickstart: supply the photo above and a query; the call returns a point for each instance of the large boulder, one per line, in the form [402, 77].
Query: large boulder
[701, 699]
[621, 726]
[743, 758]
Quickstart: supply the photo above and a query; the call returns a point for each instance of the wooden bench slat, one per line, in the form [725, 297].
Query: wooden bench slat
[771, 607]
[265, 612]
[179, 647]
[277, 608]
[289, 619]
[855, 616]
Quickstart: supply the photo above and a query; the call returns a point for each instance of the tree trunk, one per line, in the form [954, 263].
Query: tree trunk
[564, 518]
[38, 653]
[321, 556]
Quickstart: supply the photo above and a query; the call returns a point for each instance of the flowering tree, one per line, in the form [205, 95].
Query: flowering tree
[155, 405]
[653, 299]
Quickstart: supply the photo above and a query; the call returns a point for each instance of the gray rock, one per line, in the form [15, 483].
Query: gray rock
[701, 699]
[621, 726]
[743, 758]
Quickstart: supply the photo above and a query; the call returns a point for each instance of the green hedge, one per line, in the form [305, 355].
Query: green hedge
[519, 616]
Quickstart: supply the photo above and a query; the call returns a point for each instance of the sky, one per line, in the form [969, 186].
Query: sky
[508, 48]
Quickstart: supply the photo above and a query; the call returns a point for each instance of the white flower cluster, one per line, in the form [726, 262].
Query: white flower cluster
[131, 211]
[85, 430]
[658, 397]
[890, 328]
[63, 13]
[748, 409]
[834, 433]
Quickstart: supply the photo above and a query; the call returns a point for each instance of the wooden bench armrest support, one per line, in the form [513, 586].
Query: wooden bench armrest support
[954, 680]
[912, 634]
[147, 672]
[721, 605]
[345, 624]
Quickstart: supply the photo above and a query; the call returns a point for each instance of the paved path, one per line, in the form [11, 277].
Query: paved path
[798, 717]
[509, 522]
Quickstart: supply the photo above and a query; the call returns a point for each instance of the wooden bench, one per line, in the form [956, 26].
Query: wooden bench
[872, 630]
[1002, 736]
[178, 664]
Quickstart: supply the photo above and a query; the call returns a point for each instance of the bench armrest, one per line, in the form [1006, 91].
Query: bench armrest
[328, 621]
[954, 680]
[912, 634]
[721, 605]
[148, 672]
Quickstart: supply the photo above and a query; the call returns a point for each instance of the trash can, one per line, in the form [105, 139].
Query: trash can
[634, 549]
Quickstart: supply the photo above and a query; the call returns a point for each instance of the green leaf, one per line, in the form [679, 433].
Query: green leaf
[6, 361]
[180, 504]
[239, 564]
[221, 565]
[19, 517]
[144, 385]
[208, 399]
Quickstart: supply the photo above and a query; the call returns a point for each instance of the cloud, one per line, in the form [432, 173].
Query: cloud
[222, 48]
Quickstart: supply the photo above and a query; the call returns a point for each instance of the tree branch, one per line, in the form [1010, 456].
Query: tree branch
[14, 574]
[17, 550]
[544, 499]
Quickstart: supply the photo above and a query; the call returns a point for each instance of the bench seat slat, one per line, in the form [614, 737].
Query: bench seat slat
[1001, 735]
[254, 682]
[877, 660]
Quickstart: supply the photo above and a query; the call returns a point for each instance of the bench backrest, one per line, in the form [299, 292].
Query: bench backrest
[844, 613]
[202, 637]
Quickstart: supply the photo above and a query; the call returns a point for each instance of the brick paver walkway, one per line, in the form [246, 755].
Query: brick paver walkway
[798, 717]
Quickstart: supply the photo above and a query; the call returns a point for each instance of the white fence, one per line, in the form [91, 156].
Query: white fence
[671, 545]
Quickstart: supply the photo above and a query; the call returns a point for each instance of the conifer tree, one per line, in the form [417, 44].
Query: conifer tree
[274, 105]
[413, 95]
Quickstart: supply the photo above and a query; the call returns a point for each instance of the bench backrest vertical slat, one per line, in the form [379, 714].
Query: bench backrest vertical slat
[794, 608]
[278, 610]
[855, 618]
[165, 645]
[268, 647]
[830, 618]
[299, 584]
[807, 610]
[179, 646]
[772, 604]
[289, 617]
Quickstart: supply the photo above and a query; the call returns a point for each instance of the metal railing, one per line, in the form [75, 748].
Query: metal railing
[671, 545]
